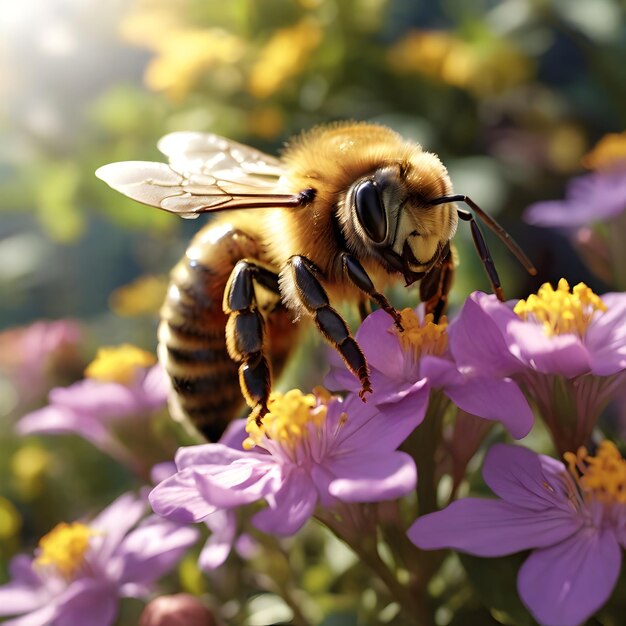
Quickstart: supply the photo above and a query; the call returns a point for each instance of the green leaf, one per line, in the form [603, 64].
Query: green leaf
[495, 582]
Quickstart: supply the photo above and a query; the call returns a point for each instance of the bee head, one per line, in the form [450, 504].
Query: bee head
[389, 220]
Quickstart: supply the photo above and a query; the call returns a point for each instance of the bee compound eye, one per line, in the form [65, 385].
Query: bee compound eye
[370, 210]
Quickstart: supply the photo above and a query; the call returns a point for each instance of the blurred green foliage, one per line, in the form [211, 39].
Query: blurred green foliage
[510, 94]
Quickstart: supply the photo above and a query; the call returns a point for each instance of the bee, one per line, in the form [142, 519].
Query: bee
[347, 209]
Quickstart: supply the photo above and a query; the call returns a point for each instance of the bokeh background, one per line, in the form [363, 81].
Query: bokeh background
[511, 94]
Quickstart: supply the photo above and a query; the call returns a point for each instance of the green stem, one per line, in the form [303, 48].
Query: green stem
[423, 445]
[359, 533]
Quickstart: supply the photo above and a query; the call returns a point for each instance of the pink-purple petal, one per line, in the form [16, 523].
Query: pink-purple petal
[495, 399]
[367, 428]
[223, 525]
[292, 505]
[565, 584]
[476, 337]
[590, 198]
[237, 484]
[43, 616]
[178, 498]
[565, 355]
[59, 420]
[16, 597]
[360, 477]
[440, 372]
[114, 522]
[606, 337]
[518, 475]
[408, 403]
[380, 346]
[152, 549]
[208, 454]
[88, 602]
[490, 528]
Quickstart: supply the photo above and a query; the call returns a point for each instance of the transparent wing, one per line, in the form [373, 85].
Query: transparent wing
[205, 153]
[205, 173]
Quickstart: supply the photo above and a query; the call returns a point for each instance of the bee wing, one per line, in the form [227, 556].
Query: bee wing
[205, 153]
[205, 173]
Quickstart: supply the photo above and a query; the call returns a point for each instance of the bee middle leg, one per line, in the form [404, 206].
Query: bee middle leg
[246, 334]
[311, 295]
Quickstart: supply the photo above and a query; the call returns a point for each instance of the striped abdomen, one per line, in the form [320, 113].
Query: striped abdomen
[192, 343]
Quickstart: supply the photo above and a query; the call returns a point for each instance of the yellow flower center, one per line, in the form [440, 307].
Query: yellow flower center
[289, 418]
[602, 477]
[64, 548]
[422, 338]
[119, 364]
[559, 311]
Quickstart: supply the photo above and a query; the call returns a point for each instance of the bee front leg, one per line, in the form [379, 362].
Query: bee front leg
[305, 286]
[245, 332]
[358, 277]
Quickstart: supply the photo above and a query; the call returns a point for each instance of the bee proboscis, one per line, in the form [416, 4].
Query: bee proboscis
[345, 210]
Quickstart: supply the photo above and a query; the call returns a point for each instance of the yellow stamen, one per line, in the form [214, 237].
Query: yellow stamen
[64, 548]
[602, 477]
[559, 311]
[288, 420]
[422, 338]
[119, 364]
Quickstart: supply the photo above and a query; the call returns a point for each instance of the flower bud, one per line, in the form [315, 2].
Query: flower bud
[181, 609]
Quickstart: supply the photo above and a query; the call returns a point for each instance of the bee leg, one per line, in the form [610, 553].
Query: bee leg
[435, 286]
[245, 332]
[358, 276]
[310, 294]
[365, 308]
[483, 251]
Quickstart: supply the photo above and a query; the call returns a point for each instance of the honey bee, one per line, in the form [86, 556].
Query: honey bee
[347, 209]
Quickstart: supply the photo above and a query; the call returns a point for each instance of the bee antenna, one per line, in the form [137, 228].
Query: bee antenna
[479, 240]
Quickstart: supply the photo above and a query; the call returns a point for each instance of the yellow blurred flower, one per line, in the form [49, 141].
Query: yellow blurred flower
[608, 152]
[191, 577]
[29, 466]
[183, 54]
[283, 56]
[119, 364]
[143, 296]
[266, 122]
[484, 67]
[151, 21]
[565, 143]
[10, 520]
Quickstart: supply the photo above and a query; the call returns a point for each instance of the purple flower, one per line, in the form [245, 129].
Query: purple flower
[588, 199]
[34, 357]
[573, 521]
[81, 570]
[406, 366]
[567, 350]
[112, 413]
[309, 451]
[593, 215]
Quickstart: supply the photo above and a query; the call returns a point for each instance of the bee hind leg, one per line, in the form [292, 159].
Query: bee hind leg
[246, 334]
[311, 295]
